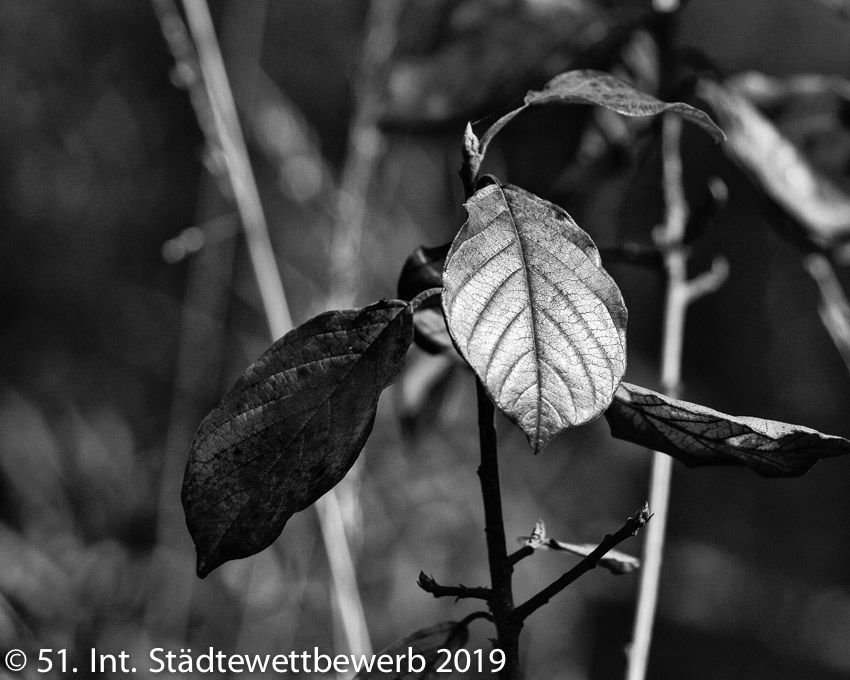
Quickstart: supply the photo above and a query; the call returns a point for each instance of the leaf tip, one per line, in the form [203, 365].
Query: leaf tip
[205, 565]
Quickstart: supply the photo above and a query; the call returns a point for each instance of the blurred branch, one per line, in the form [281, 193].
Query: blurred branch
[366, 145]
[670, 240]
[630, 528]
[834, 309]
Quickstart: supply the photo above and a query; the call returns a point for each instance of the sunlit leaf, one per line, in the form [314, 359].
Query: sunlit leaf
[698, 435]
[615, 561]
[820, 207]
[531, 309]
[290, 429]
[427, 643]
[587, 86]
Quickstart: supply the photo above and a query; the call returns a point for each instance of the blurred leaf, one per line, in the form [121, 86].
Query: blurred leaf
[698, 435]
[489, 55]
[821, 208]
[531, 309]
[290, 429]
[587, 86]
[427, 643]
[614, 561]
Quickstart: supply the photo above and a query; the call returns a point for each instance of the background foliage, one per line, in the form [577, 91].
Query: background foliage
[103, 163]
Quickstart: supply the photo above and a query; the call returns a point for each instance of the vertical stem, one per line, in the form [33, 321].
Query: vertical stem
[501, 570]
[242, 180]
[669, 238]
[501, 602]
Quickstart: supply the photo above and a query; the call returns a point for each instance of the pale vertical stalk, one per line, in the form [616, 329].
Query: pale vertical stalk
[365, 148]
[270, 285]
[669, 238]
[245, 192]
[366, 145]
[834, 309]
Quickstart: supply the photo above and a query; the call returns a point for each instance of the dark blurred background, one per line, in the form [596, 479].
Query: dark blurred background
[129, 307]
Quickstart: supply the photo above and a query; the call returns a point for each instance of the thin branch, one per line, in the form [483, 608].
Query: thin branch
[670, 239]
[366, 145]
[521, 554]
[459, 592]
[630, 528]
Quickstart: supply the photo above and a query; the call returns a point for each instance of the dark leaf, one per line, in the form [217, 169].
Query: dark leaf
[603, 89]
[290, 429]
[423, 269]
[448, 635]
[587, 86]
[820, 207]
[698, 435]
[615, 561]
[531, 309]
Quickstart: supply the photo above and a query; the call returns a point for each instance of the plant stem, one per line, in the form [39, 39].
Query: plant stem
[680, 293]
[501, 569]
[630, 528]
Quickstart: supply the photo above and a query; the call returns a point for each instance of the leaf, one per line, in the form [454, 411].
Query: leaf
[587, 86]
[820, 207]
[698, 435]
[423, 269]
[290, 428]
[427, 643]
[602, 89]
[531, 309]
[615, 561]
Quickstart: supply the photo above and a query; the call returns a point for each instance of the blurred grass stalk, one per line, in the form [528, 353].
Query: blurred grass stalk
[225, 129]
[669, 239]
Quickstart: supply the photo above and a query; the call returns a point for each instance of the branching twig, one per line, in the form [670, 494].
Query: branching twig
[681, 292]
[459, 592]
[630, 528]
